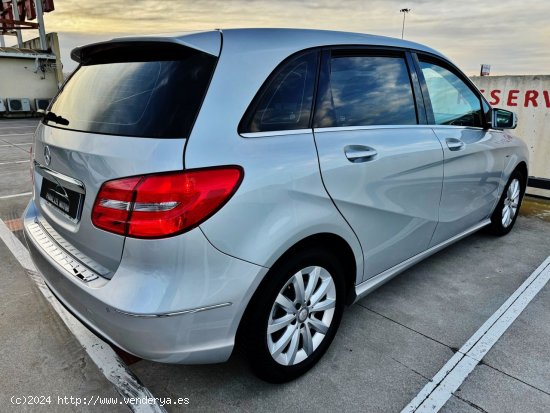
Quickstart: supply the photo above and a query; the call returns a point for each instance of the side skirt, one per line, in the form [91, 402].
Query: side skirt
[366, 287]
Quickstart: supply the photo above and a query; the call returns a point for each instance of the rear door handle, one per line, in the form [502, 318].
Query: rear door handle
[455, 144]
[360, 153]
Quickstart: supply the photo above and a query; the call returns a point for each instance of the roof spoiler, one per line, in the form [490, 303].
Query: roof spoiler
[148, 48]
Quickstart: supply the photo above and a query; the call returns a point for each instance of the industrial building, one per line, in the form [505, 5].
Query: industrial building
[30, 77]
[30, 72]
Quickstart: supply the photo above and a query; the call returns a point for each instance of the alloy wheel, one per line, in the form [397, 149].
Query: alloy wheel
[301, 315]
[511, 203]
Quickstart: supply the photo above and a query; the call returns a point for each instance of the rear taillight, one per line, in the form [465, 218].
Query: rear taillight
[161, 205]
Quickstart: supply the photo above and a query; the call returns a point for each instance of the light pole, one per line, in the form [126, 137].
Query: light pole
[404, 11]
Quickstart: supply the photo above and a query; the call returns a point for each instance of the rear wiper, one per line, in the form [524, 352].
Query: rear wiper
[50, 116]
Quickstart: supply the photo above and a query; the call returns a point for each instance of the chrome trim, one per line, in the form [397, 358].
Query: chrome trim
[369, 127]
[81, 257]
[61, 257]
[333, 129]
[155, 206]
[457, 127]
[114, 204]
[371, 284]
[138, 206]
[173, 313]
[67, 181]
[275, 133]
[47, 155]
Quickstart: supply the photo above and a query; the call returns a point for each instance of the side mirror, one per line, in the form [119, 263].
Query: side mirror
[504, 119]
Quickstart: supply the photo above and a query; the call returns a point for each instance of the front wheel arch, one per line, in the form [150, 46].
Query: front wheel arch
[498, 226]
[522, 168]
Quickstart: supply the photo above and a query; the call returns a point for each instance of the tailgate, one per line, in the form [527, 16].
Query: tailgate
[127, 110]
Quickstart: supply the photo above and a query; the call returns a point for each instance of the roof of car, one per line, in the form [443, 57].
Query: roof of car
[266, 39]
[274, 37]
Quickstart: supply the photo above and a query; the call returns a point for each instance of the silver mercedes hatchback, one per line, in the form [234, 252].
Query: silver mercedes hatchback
[200, 192]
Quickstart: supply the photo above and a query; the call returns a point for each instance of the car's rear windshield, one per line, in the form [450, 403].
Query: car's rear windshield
[142, 96]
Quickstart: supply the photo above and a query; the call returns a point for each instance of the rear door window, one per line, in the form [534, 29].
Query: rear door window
[154, 98]
[368, 90]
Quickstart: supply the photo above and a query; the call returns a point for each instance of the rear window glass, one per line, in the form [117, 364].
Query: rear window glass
[285, 102]
[158, 99]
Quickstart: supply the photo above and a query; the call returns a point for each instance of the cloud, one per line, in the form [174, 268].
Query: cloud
[511, 36]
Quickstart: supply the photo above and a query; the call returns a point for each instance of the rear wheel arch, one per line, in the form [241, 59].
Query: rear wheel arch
[325, 252]
[334, 244]
[324, 241]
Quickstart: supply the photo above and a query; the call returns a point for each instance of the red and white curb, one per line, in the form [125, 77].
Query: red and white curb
[108, 362]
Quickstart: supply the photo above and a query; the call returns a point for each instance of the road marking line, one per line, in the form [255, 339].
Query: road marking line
[19, 121]
[16, 134]
[18, 127]
[108, 362]
[14, 144]
[447, 380]
[15, 195]
[13, 162]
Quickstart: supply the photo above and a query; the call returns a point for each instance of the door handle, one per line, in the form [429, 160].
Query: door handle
[455, 144]
[360, 153]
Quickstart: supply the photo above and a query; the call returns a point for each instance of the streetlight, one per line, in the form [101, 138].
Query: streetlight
[404, 11]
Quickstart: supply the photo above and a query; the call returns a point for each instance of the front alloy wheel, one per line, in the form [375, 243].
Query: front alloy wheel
[506, 211]
[511, 203]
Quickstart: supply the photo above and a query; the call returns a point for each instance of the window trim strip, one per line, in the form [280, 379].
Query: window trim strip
[275, 133]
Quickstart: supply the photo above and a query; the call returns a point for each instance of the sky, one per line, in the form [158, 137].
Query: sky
[512, 36]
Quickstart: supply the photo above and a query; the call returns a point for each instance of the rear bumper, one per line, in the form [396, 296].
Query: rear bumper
[177, 300]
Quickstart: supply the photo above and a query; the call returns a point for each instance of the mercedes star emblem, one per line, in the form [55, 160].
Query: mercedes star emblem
[47, 155]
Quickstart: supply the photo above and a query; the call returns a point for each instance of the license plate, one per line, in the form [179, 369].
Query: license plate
[63, 199]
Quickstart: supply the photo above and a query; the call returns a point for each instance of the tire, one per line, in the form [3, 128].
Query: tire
[302, 324]
[507, 210]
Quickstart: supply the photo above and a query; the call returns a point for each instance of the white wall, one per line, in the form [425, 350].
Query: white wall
[52, 40]
[18, 80]
[529, 97]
